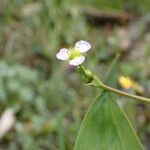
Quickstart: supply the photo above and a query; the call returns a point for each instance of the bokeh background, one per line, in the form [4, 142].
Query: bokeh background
[48, 97]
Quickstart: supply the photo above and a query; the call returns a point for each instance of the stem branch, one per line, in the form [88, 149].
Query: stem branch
[111, 89]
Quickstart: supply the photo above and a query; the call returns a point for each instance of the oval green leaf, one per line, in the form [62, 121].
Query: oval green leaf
[106, 127]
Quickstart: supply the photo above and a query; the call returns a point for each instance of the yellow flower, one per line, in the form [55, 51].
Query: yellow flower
[128, 83]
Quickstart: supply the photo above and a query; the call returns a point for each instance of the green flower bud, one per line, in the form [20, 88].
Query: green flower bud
[88, 74]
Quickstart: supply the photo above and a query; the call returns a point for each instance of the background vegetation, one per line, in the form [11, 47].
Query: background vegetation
[49, 98]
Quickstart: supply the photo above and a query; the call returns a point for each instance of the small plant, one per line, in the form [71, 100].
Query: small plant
[105, 126]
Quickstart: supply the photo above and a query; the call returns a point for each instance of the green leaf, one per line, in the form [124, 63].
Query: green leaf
[106, 127]
[110, 77]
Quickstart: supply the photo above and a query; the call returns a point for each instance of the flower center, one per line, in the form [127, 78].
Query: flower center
[73, 53]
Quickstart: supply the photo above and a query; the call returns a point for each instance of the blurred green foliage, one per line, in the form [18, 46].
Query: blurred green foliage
[49, 98]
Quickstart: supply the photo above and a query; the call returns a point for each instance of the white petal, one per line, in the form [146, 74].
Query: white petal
[83, 46]
[7, 121]
[62, 54]
[77, 61]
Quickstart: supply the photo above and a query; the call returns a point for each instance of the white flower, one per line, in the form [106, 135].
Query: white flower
[7, 121]
[74, 55]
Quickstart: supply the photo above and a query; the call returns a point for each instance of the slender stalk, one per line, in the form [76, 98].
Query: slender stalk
[111, 89]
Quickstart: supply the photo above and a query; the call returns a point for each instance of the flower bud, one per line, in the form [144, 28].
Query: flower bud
[88, 74]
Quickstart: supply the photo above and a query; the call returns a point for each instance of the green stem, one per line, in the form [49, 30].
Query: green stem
[111, 89]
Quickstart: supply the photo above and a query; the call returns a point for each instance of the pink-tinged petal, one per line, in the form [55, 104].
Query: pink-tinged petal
[77, 61]
[62, 54]
[83, 46]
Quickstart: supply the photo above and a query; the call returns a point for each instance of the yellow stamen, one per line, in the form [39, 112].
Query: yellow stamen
[74, 53]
